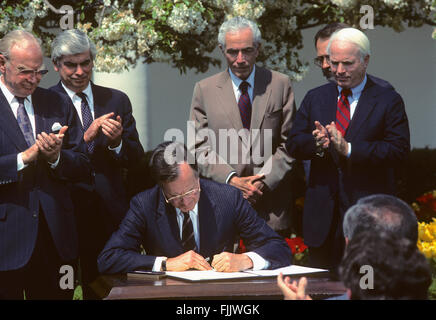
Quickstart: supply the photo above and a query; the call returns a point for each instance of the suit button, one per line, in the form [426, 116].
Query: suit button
[35, 215]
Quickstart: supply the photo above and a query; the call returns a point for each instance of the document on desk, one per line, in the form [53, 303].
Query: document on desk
[196, 275]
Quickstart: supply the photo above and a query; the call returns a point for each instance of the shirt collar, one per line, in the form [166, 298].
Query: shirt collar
[9, 95]
[357, 90]
[72, 94]
[236, 81]
[194, 210]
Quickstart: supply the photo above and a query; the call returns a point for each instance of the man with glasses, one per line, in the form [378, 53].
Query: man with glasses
[242, 101]
[186, 222]
[41, 151]
[355, 132]
[322, 38]
[113, 147]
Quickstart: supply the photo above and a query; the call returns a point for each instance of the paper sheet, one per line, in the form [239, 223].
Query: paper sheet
[196, 275]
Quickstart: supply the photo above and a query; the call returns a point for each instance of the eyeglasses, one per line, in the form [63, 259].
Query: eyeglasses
[246, 52]
[320, 60]
[23, 72]
[187, 195]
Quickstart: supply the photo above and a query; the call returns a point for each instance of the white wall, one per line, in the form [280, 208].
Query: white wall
[161, 97]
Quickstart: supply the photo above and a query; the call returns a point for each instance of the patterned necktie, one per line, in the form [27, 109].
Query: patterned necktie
[343, 112]
[244, 105]
[24, 122]
[188, 239]
[86, 119]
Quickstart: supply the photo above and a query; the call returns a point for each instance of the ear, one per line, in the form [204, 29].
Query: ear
[2, 63]
[222, 49]
[55, 66]
[366, 61]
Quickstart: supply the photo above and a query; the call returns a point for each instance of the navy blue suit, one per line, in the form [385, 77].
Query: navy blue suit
[380, 140]
[102, 202]
[37, 224]
[23, 193]
[223, 215]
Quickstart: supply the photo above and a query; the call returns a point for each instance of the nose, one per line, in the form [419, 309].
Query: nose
[325, 63]
[79, 70]
[341, 68]
[240, 58]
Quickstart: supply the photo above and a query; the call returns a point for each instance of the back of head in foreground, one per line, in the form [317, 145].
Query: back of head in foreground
[398, 271]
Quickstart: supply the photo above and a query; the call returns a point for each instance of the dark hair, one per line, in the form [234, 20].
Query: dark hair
[384, 211]
[165, 161]
[329, 29]
[399, 270]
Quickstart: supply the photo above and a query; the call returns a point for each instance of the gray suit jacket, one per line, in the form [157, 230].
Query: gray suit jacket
[216, 114]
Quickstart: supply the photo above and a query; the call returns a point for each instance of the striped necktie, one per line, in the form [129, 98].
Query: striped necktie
[244, 105]
[24, 122]
[188, 239]
[343, 112]
[86, 119]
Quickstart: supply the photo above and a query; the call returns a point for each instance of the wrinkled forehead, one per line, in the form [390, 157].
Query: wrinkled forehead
[344, 50]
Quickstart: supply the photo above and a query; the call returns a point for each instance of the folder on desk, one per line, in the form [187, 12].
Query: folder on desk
[209, 275]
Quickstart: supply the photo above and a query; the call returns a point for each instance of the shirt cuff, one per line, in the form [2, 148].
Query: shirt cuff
[259, 263]
[20, 163]
[349, 150]
[231, 174]
[117, 149]
[157, 266]
[55, 164]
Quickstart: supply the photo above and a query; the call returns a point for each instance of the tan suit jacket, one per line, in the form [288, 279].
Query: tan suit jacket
[214, 108]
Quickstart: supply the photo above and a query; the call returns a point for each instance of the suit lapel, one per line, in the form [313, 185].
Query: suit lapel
[363, 109]
[38, 110]
[10, 125]
[208, 224]
[228, 100]
[261, 94]
[166, 220]
[98, 105]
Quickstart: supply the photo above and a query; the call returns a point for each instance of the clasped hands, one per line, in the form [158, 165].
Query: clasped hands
[111, 128]
[324, 135]
[223, 262]
[252, 187]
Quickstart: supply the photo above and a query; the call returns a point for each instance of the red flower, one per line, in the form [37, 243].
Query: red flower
[296, 244]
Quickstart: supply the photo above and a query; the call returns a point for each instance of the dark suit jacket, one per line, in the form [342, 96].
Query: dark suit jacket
[380, 140]
[106, 178]
[23, 193]
[223, 214]
[214, 107]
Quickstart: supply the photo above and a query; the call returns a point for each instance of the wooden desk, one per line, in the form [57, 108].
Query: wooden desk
[119, 287]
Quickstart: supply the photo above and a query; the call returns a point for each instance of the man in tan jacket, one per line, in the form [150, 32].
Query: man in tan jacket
[242, 117]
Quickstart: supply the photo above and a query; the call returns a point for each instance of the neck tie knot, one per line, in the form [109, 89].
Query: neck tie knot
[346, 92]
[82, 96]
[20, 100]
[244, 86]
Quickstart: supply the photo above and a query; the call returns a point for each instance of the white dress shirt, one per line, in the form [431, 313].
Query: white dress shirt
[259, 263]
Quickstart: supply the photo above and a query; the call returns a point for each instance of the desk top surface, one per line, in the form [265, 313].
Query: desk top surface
[122, 287]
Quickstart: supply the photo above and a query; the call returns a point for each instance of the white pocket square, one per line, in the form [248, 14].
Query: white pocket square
[56, 127]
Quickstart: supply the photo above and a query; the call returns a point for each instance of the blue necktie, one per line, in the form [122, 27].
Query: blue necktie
[244, 105]
[24, 122]
[86, 119]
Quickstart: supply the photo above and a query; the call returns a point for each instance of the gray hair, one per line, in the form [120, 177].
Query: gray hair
[381, 212]
[236, 24]
[353, 36]
[70, 42]
[165, 161]
[16, 37]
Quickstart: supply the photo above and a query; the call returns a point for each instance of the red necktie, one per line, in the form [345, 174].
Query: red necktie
[244, 105]
[343, 112]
